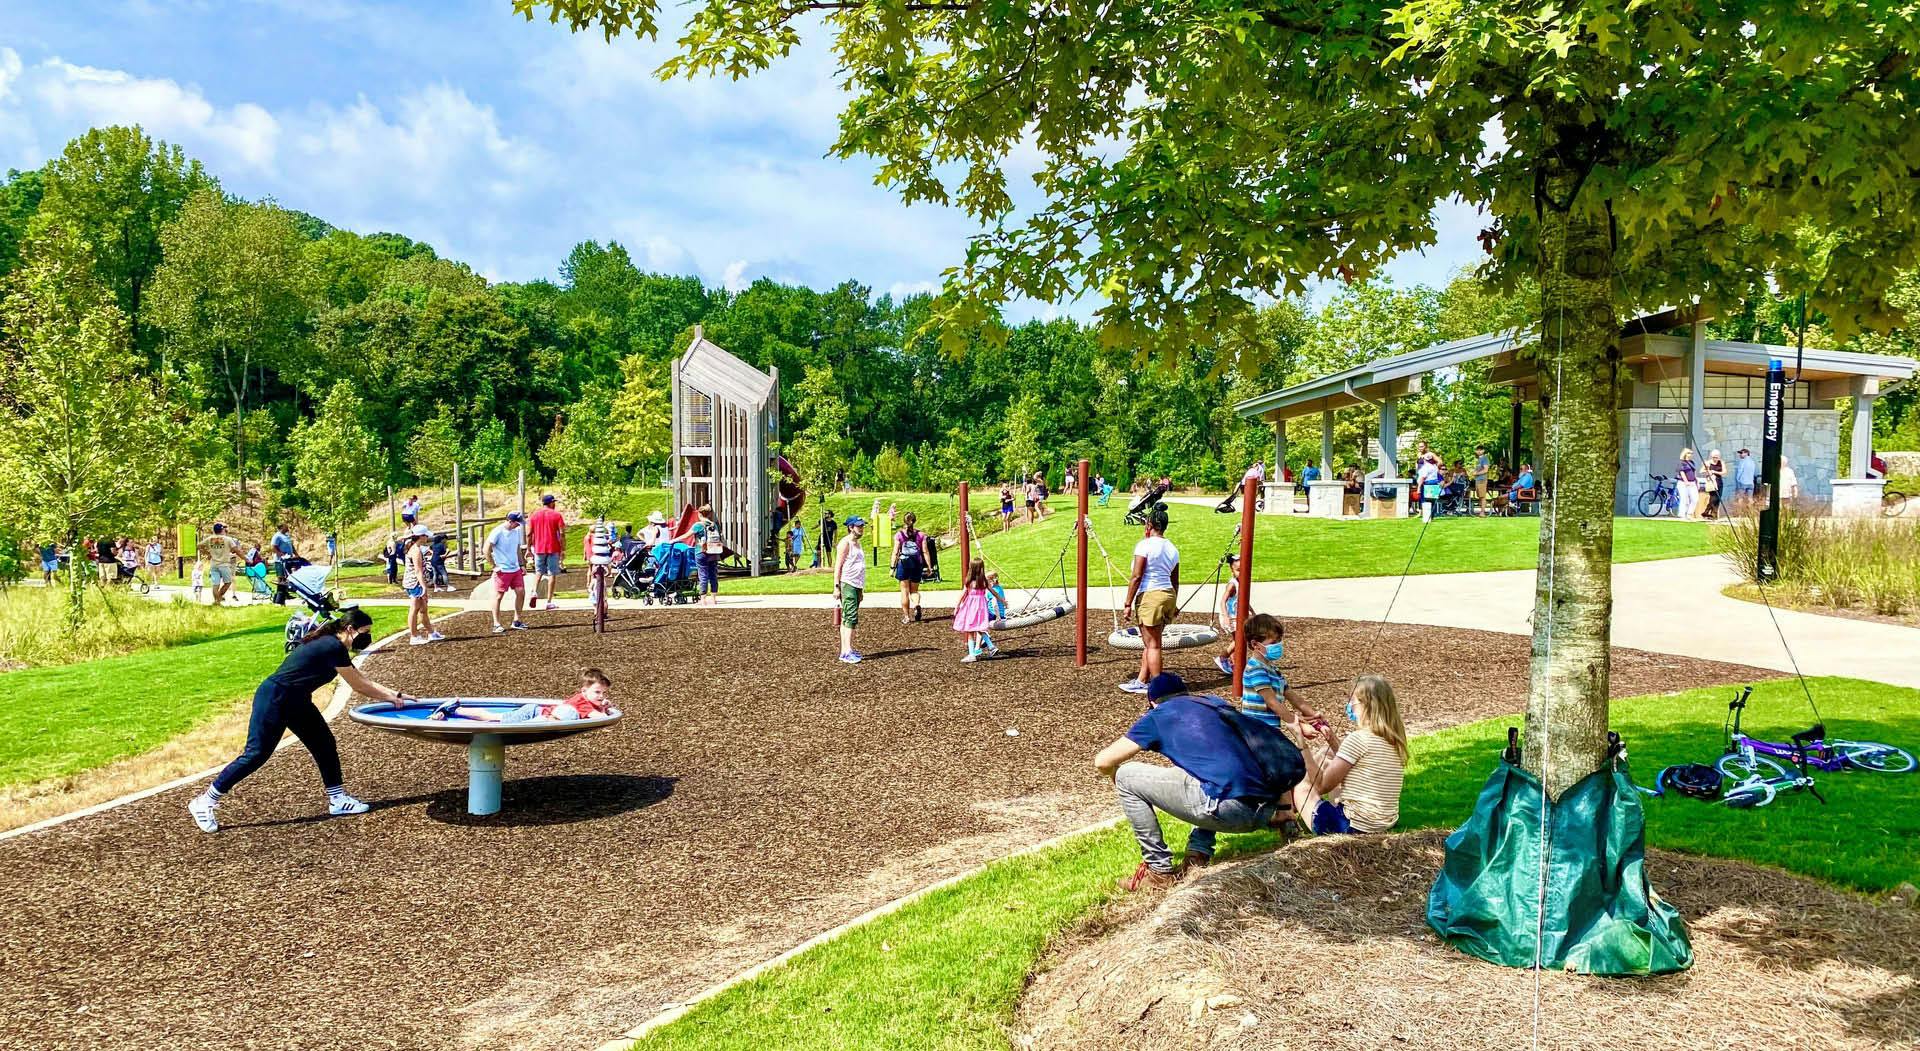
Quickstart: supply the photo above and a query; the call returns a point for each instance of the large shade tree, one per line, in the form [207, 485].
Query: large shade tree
[1191, 157]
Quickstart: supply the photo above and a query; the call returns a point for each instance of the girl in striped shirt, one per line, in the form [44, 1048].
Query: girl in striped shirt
[1363, 777]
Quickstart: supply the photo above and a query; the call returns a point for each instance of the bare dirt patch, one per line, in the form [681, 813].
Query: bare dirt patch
[1324, 944]
[758, 792]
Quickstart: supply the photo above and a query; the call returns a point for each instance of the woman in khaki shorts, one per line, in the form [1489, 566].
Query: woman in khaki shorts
[1151, 595]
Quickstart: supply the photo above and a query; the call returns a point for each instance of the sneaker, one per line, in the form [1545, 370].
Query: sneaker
[1144, 878]
[1225, 665]
[519, 625]
[916, 614]
[1194, 861]
[436, 637]
[203, 811]
[1133, 686]
[346, 806]
[970, 658]
[849, 658]
[499, 629]
[419, 640]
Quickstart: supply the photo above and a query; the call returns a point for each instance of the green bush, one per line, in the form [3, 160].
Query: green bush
[1870, 564]
[34, 634]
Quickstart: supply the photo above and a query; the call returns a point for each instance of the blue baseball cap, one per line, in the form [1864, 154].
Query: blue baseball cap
[1164, 685]
[853, 520]
[513, 516]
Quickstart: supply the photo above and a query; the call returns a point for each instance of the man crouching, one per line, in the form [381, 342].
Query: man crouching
[1230, 773]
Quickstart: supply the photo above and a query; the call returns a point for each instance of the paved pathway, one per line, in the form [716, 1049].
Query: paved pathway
[1669, 606]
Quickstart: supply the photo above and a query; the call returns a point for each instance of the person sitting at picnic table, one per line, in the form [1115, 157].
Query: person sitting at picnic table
[1229, 773]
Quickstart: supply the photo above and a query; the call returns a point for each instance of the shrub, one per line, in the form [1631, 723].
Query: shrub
[33, 629]
[1870, 564]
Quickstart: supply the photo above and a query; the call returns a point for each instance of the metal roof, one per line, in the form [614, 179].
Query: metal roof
[708, 368]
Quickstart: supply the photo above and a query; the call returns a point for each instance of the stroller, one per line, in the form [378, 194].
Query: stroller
[630, 577]
[1227, 506]
[256, 574]
[671, 580]
[309, 585]
[1137, 514]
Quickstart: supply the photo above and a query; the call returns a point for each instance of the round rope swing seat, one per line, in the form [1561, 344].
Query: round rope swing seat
[1032, 615]
[486, 742]
[1175, 637]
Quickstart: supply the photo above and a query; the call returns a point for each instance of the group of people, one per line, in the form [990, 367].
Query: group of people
[1705, 490]
[1481, 488]
[114, 560]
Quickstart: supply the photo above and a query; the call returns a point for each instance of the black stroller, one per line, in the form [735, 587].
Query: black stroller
[1229, 505]
[633, 577]
[1137, 514]
[309, 585]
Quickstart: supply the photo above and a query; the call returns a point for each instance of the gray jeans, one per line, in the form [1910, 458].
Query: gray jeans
[1145, 788]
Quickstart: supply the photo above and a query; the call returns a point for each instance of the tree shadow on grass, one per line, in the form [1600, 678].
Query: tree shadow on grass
[556, 800]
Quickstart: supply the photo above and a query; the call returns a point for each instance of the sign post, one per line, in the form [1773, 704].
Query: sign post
[1768, 548]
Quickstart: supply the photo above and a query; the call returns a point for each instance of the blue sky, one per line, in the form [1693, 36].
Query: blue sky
[500, 142]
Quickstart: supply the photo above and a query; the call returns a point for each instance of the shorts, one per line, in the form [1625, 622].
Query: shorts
[1030, 504]
[1330, 819]
[1480, 487]
[850, 606]
[909, 571]
[217, 575]
[415, 592]
[1156, 609]
[510, 580]
[547, 563]
[1006, 507]
[49, 565]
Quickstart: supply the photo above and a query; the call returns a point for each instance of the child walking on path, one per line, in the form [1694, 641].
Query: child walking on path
[971, 616]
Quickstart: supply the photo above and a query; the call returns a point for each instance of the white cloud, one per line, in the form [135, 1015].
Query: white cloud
[734, 277]
[436, 142]
[244, 134]
[903, 289]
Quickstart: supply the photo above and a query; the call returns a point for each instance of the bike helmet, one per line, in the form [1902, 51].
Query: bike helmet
[1690, 779]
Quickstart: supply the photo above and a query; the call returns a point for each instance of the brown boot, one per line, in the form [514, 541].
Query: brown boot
[1144, 878]
[1194, 861]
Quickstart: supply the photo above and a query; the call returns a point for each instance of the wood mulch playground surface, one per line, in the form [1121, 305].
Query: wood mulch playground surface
[757, 793]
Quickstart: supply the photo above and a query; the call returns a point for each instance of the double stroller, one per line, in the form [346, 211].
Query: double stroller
[663, 573]
[1137, 514]
[309, 584]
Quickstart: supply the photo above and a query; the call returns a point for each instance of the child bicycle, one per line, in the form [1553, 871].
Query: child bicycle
[1662, 499]
[1755, 776]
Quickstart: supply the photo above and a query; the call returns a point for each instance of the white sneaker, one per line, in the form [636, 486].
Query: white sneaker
[1225, 665]
[436, 637]
[203, 811]
[345, 806]
[1133, 686]
[499, 629]
[970, 658]
[419, 640]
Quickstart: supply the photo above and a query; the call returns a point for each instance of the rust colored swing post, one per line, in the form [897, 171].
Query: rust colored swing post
[1243, 582]
[966, 536]
[1080, 572]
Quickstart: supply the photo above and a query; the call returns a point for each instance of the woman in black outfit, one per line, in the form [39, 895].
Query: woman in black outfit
[285, 702]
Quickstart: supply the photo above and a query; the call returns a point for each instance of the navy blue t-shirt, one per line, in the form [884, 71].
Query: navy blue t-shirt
[1198, 740]
[310, 666]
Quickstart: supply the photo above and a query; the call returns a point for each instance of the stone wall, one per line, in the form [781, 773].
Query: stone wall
[1902, 463]
[1811, 443]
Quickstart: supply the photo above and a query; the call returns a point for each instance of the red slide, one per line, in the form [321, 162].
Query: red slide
[790, 492]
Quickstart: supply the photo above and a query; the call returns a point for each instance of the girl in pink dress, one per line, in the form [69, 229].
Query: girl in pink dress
[971, 614]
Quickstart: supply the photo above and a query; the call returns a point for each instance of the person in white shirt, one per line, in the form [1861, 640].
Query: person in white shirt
[656, 530]
[849, 582]
[1151, 595]
[503, 550]
[1428, 478]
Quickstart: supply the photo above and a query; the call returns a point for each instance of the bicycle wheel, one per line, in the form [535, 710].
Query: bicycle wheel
[1872, 755]
[1744, 766]
[1893, 503]
[1651, 504]
[1749, 794]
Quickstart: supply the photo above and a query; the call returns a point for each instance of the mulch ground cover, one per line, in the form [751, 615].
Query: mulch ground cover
[1325, 944]
[757, 792]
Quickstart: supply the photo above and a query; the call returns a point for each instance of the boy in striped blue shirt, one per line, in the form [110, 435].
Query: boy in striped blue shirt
[1262, 688]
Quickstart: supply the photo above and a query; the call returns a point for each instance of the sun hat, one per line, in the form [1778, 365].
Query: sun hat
[421, 530]
[656, 518]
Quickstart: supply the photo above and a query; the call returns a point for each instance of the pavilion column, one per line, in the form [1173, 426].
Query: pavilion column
[1390, 437]
[1513, 433]
[1279, 449]
[1697, 389]
[1326, 443]
[1862, 448]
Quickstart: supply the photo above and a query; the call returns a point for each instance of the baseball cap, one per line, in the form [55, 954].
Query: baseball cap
[1166, 684]
[1748, 452]
[513, 516]
[855, 520]
[547, 499]
[219, 527]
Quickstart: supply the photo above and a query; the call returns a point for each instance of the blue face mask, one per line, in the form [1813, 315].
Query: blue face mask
[1275, 650]
[1351, 716]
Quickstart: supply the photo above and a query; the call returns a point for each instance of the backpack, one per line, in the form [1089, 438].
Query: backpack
[1280, 760]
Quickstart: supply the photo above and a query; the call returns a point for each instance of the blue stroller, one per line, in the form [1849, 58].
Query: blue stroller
[672, 579]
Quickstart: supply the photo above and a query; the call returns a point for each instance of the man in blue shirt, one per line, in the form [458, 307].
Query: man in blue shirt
[1746, 472]
[1311, 474]
[1217, 782]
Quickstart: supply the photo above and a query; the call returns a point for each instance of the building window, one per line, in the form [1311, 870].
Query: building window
[1732, 392]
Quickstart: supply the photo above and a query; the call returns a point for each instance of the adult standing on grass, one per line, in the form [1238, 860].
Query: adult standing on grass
[1230, 773]
[547, 529]
[285, 702]
[909, 566]
[219, 551]
[414, 581]
[282, 542]
[1687, 481]
[849, 583]
[49, 562]
[106, 555]
[828, 530]
[1746, 472]
[1151, 595]
[504, 545]
[1481, 466]
[156, 556]
[1040, 495]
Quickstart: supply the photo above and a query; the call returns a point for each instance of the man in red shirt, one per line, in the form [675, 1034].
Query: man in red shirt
[548, 532]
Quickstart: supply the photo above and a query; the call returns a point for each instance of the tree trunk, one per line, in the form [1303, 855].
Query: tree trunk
[1579, 357]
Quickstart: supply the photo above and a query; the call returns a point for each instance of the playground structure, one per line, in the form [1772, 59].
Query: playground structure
[726, 422]
[486, 743]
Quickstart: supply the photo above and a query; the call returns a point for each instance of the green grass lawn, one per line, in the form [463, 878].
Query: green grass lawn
[946, 971]
[1285, 548]
[65, 720]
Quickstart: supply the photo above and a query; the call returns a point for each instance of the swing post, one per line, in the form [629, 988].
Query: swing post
[1080, 572]
[966, 535]
[1243, 582]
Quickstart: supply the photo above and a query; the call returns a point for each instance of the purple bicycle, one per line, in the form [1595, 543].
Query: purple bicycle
[1750, 758]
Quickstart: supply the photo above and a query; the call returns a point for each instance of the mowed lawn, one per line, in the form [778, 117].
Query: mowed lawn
[946, 971]
[1285, 548]
[64, 720]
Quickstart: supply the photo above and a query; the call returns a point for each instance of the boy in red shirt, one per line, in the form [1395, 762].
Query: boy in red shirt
[547, 529]
[594, 697]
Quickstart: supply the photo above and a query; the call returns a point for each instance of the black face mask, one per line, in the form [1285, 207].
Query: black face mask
[361, 641]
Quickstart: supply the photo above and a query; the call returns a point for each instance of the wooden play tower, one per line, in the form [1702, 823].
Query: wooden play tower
[726, 421]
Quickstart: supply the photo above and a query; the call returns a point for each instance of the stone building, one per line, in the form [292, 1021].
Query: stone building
[1679, 390]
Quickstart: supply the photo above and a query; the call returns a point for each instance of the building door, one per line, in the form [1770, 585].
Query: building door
[1664, 449]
